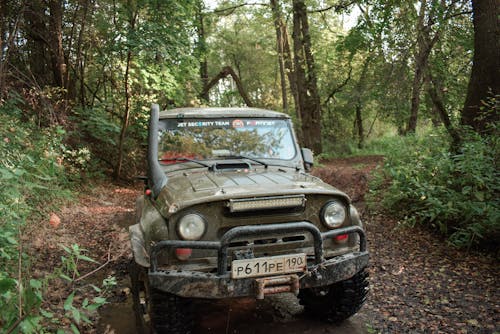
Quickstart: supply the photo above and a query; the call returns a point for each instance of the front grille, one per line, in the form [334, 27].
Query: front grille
[282, 241]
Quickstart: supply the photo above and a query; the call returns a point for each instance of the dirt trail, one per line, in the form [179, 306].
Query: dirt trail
[418, 284]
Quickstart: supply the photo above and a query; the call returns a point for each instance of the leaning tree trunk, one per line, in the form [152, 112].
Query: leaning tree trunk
[485, 76]
[309, 105]
[433, 88]
[126, 114]
[424, 47]
[126, 117]
[228, 71]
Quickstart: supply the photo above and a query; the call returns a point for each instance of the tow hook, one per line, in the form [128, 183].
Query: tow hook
[277, 284]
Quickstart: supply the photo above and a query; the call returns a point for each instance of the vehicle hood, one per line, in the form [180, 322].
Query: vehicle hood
[187, 188]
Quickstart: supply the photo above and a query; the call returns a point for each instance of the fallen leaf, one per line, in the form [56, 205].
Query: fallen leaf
[54, 221]
[473, 322]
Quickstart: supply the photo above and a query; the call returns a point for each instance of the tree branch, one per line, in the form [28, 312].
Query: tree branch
[230, 10]
[228, 70]
[337, 7]
[339, 87]
[465, 12]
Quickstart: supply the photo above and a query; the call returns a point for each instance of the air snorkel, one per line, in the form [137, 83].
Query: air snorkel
[156, 177]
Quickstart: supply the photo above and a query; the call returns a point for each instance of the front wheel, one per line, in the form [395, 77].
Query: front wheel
[157, 312]
[337, 302]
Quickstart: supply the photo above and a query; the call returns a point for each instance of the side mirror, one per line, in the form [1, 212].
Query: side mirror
[308, 157]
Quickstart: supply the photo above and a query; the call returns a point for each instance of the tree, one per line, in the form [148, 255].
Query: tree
[309, 105]
[484, 82]
[424, 45]
[281, 39]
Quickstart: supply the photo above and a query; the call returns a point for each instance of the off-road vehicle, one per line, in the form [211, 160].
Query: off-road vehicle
[230, 210]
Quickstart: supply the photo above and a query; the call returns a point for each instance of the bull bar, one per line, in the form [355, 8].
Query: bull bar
[221, 285]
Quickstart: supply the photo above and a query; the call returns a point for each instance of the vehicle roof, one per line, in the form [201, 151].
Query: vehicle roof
[218, 112]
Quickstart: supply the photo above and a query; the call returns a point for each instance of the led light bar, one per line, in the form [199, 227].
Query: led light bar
[263, 203]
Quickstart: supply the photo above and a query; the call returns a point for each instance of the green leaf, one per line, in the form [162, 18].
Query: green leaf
[30, 324]
[75, 329]
[46, 314]
[6, 284]
[76, 315]
[66, 277]
[36, 284]
[66, 249]
[96, 288]
[86, 258]
[11, 240]
[100, 300]
[6, 174]
[68, 304]
[93, 307]
[85, 319]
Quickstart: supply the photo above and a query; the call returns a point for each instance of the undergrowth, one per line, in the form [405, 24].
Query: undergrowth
[36, 171]
[456, 194]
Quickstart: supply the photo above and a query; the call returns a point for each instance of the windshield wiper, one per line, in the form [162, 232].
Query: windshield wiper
[248, 158]
[185, 159]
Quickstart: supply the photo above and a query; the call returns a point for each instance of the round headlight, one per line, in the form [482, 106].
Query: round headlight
[333, 214]
[191, 227]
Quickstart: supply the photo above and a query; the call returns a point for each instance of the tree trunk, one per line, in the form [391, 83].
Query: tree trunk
[437, 101]
[79, 56]
[424, 47]
[57, 52]
[278, 24]
[126, 114]
[290, 71]
[360, 87]
[6, 42]
[309, 105]
[485, 76]
[35, 27]
[202, 50]
[3, 16]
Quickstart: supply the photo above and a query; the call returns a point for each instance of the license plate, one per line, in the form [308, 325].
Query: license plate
[264, 266]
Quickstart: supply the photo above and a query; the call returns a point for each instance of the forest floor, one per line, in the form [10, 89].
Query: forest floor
[418, 283]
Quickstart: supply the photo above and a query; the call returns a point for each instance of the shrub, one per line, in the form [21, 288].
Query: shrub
[457, 194]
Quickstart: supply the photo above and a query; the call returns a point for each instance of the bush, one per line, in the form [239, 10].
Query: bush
[457, 194]
[32, 177]
[37, 171]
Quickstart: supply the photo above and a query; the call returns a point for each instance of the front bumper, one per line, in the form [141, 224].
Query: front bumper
[220, 285]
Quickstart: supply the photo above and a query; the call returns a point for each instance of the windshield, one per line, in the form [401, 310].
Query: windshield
[204, 139]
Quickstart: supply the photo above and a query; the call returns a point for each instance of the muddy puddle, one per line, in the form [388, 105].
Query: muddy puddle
[278, 314]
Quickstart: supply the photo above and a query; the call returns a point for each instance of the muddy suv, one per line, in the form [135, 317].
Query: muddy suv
[229, 210]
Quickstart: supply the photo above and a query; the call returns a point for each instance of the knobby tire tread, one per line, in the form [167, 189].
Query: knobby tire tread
[342, 300]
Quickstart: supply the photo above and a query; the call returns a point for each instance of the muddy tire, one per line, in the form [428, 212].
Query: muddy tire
[140, 303]
[337, 302]
[157, 312]
[170, 313]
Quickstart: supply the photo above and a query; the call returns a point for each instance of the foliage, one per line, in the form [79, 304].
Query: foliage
[454, 193]
[35, 172]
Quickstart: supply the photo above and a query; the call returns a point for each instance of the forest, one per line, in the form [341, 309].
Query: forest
[417, 82]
